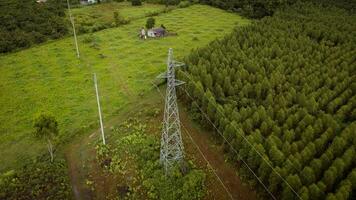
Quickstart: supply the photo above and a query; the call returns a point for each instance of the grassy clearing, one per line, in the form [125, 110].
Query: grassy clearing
[49, 77]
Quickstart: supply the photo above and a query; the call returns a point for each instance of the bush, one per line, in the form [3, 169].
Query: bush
[184, 4]
[119, 20]
[150, 23]
[37, 180]
[136, 2]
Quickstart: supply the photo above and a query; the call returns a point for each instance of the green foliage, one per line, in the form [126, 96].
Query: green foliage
[150, 23]
[119, 20]
[97, 17]
[184, 4]
[136, 2]
[282, 87]
[140, 150]
[259, 9]
[46, 126]
[37, 180]
[24, 23]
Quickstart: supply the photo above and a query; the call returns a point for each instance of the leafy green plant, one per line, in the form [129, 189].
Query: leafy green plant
[184, 4]
[37, 180]
[140, 150]
[46, 128]
[119, 20]
[150, 23]
[136, 2]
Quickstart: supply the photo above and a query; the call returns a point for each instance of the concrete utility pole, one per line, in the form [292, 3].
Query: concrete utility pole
[99, 109]
[74, 32]
[172, 150]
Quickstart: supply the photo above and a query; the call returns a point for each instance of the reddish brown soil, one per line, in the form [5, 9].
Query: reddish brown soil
[215, 156]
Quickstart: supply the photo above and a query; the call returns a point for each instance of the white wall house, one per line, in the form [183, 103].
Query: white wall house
[156, 32]
[86, 2]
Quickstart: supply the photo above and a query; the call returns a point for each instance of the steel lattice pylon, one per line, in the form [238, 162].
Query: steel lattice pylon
[172, 150]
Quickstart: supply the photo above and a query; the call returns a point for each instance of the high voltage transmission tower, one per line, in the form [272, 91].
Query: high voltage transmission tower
[172, 150]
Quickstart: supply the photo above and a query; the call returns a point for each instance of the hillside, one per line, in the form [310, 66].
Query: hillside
[282, 94]
[49, 77]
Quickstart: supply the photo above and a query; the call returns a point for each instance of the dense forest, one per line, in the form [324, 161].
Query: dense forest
[283, 93]
[24, 22]
[259, 9]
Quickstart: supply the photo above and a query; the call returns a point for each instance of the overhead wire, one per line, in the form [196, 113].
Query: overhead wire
[202, 154]
[278, 174]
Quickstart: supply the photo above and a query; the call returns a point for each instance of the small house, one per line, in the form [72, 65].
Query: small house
[156, 32]
[86, 2]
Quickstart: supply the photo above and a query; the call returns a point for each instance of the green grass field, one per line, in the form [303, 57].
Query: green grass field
[50, 78]
[104, 12]
[101, 16]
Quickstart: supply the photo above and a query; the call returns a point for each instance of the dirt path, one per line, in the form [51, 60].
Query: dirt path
[214, 155]
[79, 154]
[75, 155]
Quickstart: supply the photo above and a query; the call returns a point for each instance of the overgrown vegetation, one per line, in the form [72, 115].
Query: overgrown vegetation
[94, 18]
[259, 9]
[24, 23]
[134, 161]
[284, 87]
[39, 179]
[136, 2]
[150, 23]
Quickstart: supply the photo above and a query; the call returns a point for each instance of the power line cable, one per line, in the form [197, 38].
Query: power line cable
[217, 176]
[248, 144]
[213, 170]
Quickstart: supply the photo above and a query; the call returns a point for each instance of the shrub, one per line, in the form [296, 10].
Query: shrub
[184, 4]
[150, 23]
[37, 180]
[119, 20]
[46, 128]
[136, 2]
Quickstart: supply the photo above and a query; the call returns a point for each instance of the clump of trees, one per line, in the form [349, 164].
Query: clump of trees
[136, 2]
[283, 87]
[259, 9]
[24, 23]
[150, 23]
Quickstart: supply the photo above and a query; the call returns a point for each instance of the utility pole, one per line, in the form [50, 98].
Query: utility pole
[99, 109]
[172, 150]
[74, 32]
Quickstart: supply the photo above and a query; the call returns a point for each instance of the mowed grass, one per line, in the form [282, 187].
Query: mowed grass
[50, 78]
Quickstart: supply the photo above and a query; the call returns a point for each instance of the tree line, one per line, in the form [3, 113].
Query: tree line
[259, 9]
[24, 23]
[285, 87]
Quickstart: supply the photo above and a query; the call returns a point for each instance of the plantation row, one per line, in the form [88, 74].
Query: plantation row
[283, 93]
